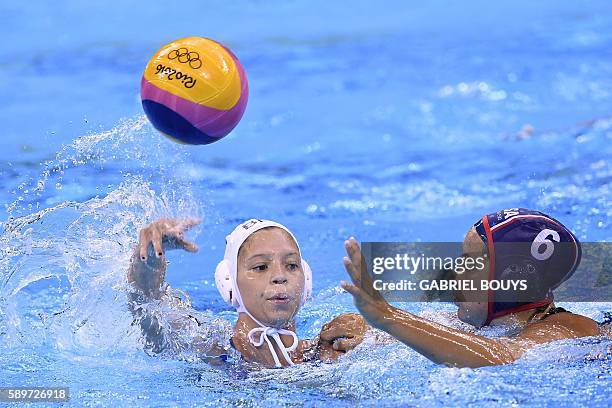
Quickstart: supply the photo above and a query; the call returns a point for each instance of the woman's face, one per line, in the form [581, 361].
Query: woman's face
[473, 305]
[270, 276]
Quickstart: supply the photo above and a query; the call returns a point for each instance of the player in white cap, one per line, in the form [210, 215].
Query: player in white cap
[262, 275]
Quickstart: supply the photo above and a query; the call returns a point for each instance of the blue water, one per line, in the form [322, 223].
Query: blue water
[395, 122]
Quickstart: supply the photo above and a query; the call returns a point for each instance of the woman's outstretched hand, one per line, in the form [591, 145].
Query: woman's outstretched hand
[368, 301]
[165, 234]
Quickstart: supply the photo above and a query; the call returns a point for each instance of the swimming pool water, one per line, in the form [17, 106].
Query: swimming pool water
[387, 123]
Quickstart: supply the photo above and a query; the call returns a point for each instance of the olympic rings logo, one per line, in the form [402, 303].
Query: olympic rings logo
[185, 56]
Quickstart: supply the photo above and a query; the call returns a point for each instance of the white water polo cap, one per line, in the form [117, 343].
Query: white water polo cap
[227, 284]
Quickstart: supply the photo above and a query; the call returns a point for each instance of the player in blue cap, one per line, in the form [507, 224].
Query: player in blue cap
[519, 244]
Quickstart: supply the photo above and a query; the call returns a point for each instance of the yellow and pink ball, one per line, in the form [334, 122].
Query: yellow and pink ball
[194, 90]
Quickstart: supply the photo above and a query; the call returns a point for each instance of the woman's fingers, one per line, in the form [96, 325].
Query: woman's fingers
[143, 243]
[156, 237]
[358, 265]
[352, 289]
[176, 240]
[343, 325]
[186, 245]
[179, 227]
[347, 344]
[360, 296]
[165, 232]
[189, 223]
[176, 234]
[351, 270]
[353, 250]
[329, 334]
[354, 263]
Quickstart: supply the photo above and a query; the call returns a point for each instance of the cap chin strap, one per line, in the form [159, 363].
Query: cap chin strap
[264, 335]
[265, 332]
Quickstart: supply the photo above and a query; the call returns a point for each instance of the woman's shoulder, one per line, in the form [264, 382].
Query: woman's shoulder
[561, 326]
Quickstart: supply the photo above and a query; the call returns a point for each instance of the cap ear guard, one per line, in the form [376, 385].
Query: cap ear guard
[517, 268]
[223, 280]
[307, 282]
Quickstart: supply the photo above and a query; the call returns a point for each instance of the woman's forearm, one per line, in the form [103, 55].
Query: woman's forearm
[147, 276]
[444, 345]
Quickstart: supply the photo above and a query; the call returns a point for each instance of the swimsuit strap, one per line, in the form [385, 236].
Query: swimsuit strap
[606, 320]
[547, 311]
[555, 310]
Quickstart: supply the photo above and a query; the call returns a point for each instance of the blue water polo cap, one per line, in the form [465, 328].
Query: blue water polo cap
[529, 245]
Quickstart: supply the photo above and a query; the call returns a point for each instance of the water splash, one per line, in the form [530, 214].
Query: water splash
[62, 268]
